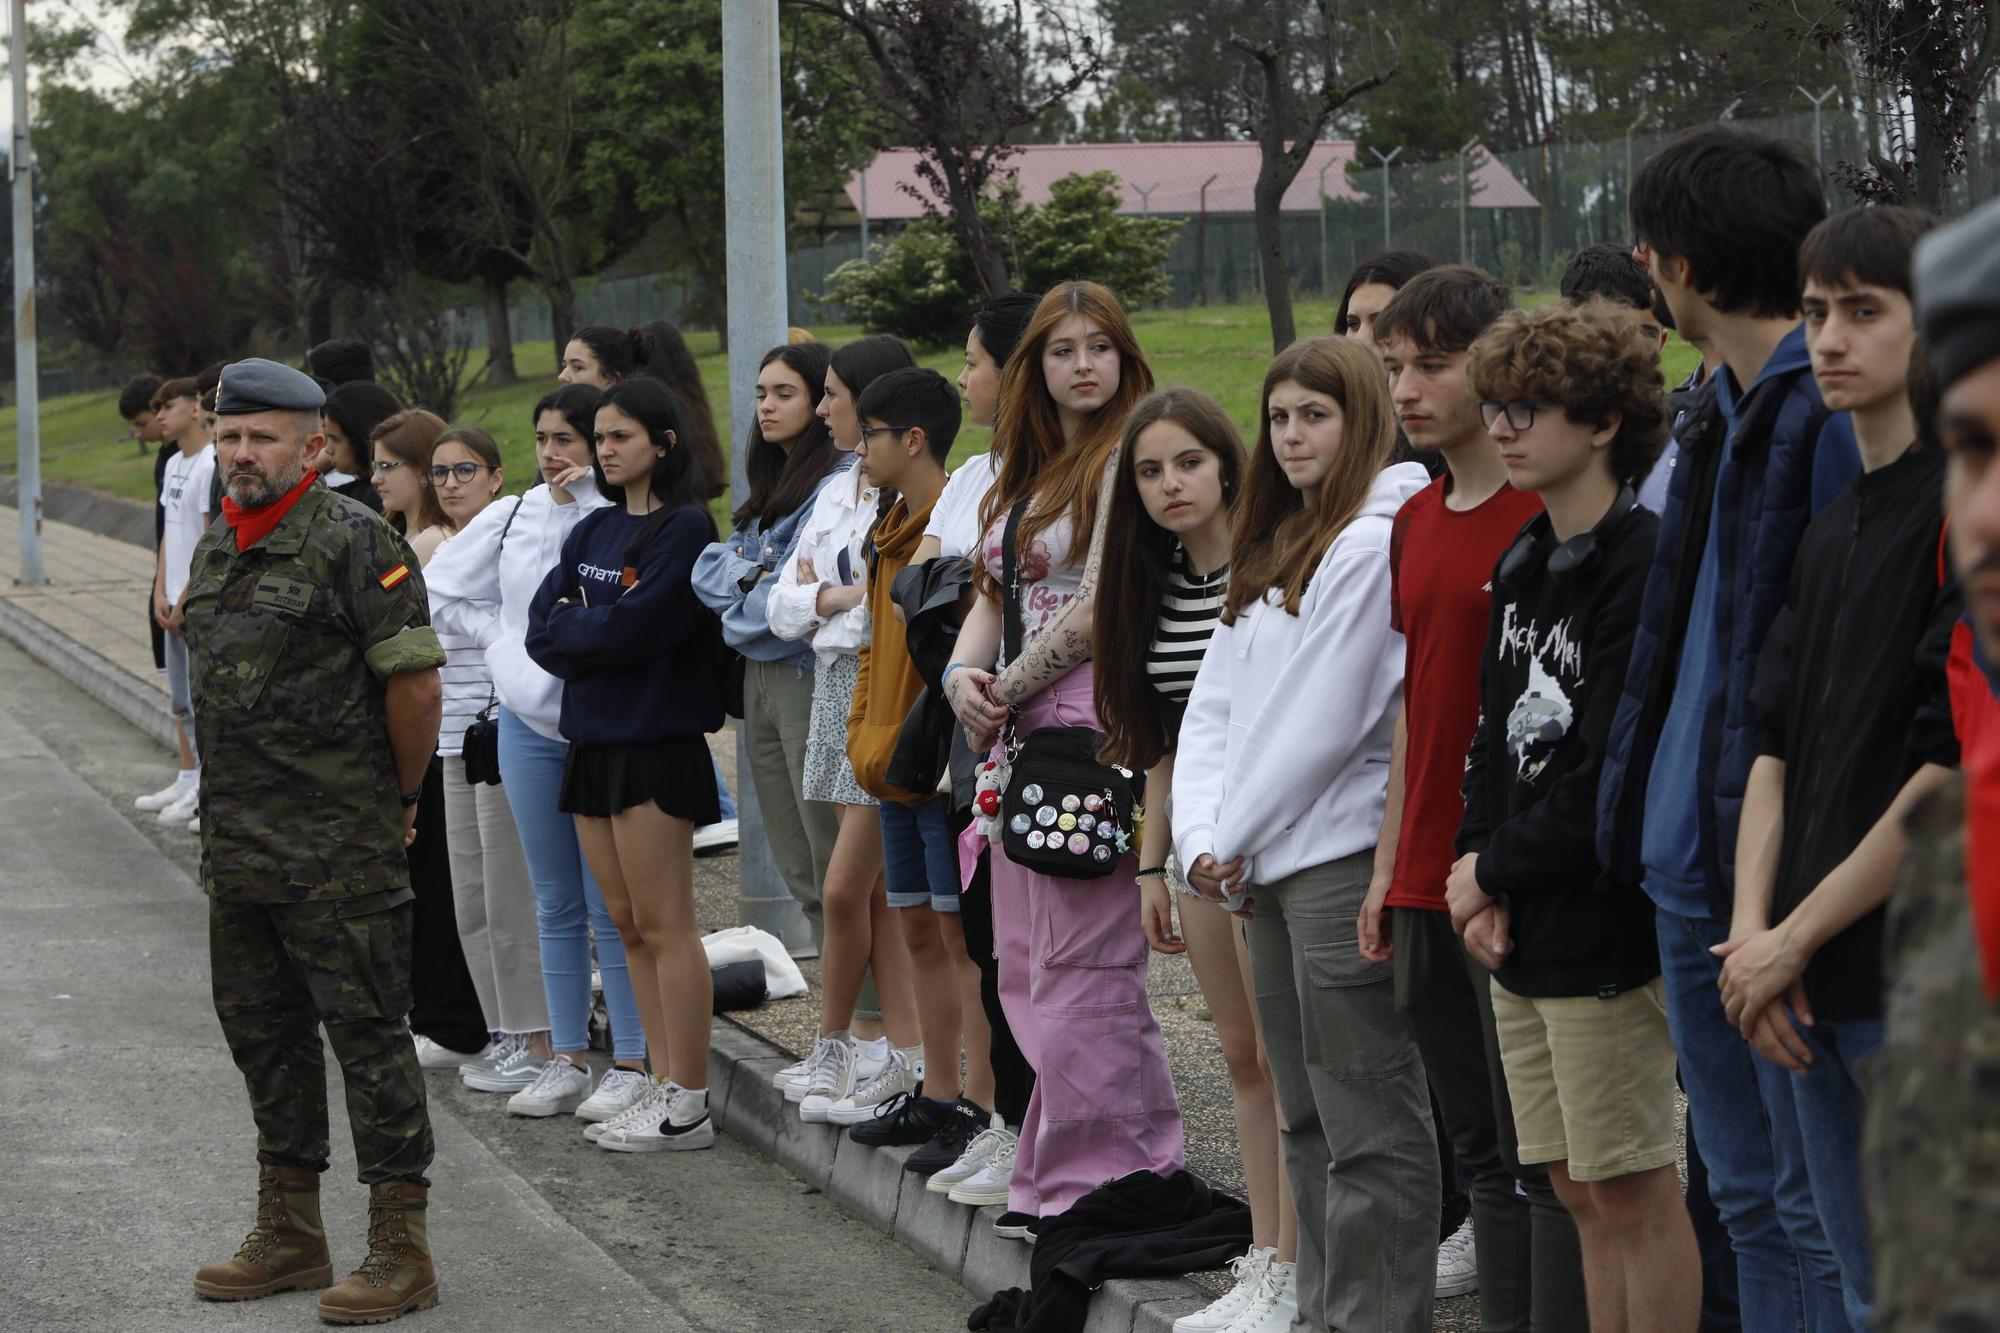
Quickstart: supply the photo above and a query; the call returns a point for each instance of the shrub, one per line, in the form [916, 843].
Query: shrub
[919, 285]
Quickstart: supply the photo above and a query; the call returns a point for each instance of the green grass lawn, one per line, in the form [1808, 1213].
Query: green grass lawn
[1220, 349]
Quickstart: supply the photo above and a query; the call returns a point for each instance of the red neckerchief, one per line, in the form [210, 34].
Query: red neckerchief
[254, 525]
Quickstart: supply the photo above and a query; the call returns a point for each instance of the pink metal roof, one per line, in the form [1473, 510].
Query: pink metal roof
[1172, 175]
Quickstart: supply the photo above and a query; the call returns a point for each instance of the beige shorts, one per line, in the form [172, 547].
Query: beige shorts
[1592, 1080]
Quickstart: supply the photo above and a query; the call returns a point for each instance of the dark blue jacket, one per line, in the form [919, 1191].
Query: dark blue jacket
[1791, 457]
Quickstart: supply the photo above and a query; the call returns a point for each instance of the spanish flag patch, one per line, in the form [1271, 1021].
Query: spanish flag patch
[393, 577]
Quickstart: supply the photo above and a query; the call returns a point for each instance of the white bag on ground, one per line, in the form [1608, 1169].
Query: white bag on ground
[781, 975]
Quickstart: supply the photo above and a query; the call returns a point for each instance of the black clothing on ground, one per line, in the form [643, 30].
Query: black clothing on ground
[1557, 644]
[1139, 1225]
[443, 1004]
[1851, 694]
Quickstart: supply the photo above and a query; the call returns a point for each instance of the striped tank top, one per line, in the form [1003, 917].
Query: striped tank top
[1189, 614]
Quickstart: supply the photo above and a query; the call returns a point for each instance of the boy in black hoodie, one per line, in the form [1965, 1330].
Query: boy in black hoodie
[1577, 404]
[1856, 726]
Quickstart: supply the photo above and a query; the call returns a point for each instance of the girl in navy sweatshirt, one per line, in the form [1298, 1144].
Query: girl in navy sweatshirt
[618, 622]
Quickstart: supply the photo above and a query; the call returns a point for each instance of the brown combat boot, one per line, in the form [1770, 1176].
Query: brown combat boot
[285, 1250]
[397, 1276]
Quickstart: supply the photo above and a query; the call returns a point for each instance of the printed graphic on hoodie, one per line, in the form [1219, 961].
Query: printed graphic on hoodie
[1542, 715]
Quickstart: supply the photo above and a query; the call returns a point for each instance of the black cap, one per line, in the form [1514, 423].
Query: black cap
[1957, 272]
[257, 385]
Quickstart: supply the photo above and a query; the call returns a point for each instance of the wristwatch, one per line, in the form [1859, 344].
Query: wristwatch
[410, 798]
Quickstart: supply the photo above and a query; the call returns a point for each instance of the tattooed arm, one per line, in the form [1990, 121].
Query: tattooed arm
[1065, 642]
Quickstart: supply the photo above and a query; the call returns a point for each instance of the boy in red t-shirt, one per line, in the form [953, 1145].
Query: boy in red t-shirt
[1443, 547]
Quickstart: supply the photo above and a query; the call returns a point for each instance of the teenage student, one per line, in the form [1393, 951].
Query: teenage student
[600, 356]
[493, 905]
[1720, 213]
[618, 622]
[401, 460]
[1072, 963]
[1576, 404]
[348, 419]
[1166, 571]
[908, 420]
[1857, 727]
[1372, 285]
[984, 1170]
[1441, 555]
[1278, 795]
[789, 457]
[481, 583]
[184, 515]
[853, 1067]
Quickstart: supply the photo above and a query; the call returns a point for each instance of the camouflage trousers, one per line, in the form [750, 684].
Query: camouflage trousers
[280, 972]
[1932, 1146]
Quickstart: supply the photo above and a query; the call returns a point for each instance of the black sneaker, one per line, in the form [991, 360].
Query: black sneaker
[960, 1128]
[1017, 1226]
[903, 1121]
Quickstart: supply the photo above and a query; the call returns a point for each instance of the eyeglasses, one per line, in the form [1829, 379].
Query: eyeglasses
[1520, 412]
[462, 473]
[385, 466]
[867, 431]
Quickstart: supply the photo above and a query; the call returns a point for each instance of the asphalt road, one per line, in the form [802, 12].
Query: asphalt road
[127, 1152]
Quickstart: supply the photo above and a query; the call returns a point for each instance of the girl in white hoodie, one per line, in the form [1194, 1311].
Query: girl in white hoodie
[820, 597]
[481, 583]
[1279, 784]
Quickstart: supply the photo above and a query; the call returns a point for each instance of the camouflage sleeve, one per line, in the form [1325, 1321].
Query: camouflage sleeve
[386, 602]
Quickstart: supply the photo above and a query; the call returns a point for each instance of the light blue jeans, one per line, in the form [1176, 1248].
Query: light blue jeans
[569, 908]
[722, 790]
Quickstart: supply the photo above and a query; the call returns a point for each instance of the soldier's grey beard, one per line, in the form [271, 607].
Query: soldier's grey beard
[251, 488]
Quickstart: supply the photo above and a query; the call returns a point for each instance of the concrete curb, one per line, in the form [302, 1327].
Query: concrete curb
[871, 1184]
[134, 700]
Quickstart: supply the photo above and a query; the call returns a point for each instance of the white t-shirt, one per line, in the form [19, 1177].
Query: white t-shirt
[184, 498]
[955, 518]
[1050, 573]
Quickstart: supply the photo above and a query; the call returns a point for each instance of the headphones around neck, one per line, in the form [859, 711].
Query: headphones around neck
[1573, 557]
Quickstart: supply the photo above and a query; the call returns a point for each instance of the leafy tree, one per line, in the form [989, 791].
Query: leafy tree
[1939, 55]
[956, 86]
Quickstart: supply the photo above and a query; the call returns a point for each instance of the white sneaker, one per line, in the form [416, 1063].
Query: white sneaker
[898, 1075]
[989, 1183]
[676, 1121]
[489, 1059]
[193, 824]
[155, 802]
[619, 1089]
[183, 807]
[1273, 1305]
[1458, 1263]
[430, 1055]
[791, 1076]
[717, 837]
[560, 1087]
[517, 1071]
[970, 1162]
[650, 1091]
[1249, 1273]
[829, 1077]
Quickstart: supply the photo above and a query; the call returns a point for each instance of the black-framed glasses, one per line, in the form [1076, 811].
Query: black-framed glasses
[462, 473]
[891, 431]
[1520, 412]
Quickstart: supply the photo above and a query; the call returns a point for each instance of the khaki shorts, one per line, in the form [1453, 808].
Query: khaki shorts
[1592, 1080]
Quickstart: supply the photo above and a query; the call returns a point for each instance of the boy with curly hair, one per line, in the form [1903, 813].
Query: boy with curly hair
[1575, 401]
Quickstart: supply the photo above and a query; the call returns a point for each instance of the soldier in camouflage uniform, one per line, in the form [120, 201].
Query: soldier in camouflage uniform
[314, 674]
[1932, 1151]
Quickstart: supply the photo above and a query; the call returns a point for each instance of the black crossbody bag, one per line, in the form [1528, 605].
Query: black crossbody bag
[480, 752]
[1064, 813]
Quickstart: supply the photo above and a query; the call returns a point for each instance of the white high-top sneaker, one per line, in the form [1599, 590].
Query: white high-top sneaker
[1249, 1273]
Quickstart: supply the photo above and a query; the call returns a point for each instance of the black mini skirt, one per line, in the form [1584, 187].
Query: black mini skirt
[676, 775]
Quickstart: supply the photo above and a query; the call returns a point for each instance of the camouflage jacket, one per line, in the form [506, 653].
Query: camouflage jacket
[289, 643]
[1931, 1155]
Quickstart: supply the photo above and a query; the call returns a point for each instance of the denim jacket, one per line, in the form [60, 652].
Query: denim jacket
[733, 578]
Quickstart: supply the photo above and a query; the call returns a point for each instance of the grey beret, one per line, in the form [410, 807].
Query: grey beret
[1957, 271]
[257, 385]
